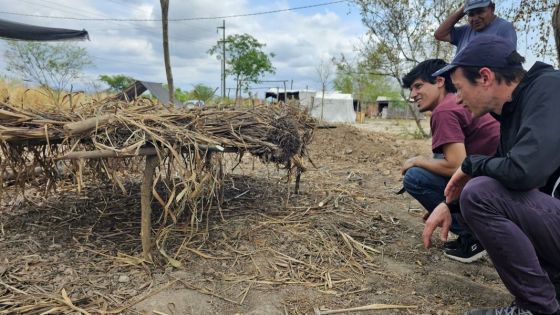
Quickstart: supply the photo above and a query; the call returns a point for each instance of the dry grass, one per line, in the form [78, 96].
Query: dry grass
[23, 97]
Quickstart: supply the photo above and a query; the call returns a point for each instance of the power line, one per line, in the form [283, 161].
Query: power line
[177, 19]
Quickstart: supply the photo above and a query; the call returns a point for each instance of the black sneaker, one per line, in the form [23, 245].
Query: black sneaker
[508, 310]
[467, 251]
[452, 244]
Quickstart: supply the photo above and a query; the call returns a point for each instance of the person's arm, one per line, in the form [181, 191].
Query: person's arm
[454, 154]
[443, 32]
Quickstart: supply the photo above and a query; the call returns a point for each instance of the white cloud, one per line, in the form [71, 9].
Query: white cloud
[299, 39]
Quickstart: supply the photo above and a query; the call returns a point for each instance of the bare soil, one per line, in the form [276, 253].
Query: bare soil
[345, 240]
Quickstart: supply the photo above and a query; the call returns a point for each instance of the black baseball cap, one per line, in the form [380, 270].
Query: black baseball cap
[483, 51]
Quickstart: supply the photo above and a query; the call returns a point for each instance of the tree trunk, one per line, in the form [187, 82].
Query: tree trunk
[322, 102]
[556, 28]
[237, 91]
[417, 120]
[164, 12]
[416, 117]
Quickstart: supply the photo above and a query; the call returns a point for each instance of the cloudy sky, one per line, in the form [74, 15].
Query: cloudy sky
[299, 38]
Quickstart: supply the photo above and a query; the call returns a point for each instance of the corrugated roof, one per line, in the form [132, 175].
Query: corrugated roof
[139, 87]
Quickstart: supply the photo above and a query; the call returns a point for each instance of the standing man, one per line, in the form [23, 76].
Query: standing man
[454, 135]
[507, 200]
[482, 20]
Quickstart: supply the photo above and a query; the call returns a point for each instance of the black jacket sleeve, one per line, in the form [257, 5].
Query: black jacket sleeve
[534, 155]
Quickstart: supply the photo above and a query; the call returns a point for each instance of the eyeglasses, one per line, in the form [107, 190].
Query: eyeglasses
[477, 11]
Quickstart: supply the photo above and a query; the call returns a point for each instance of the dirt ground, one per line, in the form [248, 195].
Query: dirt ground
[345, 240]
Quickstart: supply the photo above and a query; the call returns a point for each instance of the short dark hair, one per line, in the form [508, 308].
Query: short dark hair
[507, 74]
[424, 70]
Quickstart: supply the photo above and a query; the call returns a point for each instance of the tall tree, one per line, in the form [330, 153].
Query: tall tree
[167, 59]
[401, 35]
[117, 82]
[363, 85]
[245, 60]
[324, 72]
[52, 66]
[532, 19]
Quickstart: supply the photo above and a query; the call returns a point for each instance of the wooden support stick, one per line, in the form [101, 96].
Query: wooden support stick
[87, 124]
[101, 154]
[146, 205]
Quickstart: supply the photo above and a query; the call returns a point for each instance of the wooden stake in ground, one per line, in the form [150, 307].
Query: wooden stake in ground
[146, 205]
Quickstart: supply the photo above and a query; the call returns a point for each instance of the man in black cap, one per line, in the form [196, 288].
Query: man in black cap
[508, 200]
[482, 20]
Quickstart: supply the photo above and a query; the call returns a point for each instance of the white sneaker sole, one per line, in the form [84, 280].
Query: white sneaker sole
[468, 260]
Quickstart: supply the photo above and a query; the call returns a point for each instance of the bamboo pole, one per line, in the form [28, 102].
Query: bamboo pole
[145, 203]
[87, 125]
[101, 154]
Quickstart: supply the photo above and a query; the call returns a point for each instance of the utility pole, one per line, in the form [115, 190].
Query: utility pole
[166, 57]
[223, 41]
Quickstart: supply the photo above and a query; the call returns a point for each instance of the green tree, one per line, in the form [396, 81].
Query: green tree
[364, 86]
[202, 92]
[117, 82]
[181, 95]
[245, 59]
[344, 82]
[52, 66]
[532, 19]
[401, 34]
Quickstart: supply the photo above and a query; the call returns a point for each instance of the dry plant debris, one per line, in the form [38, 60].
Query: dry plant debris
[188, 144]
[332, 246]
[94, 255]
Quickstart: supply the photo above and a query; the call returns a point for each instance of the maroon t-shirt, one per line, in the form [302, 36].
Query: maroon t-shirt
[452, 123]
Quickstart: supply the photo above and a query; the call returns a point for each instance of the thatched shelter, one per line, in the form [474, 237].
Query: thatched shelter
[182, 147]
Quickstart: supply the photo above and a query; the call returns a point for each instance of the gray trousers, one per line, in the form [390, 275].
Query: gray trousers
[521, 233]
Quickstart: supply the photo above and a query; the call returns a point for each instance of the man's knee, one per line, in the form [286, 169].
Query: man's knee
[415, 178]
[475, 196]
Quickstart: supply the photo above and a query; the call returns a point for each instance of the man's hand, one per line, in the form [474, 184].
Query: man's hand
[410, 163]
[455, 185]
[440, 217]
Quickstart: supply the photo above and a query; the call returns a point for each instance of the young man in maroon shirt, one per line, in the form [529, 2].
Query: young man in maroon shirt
[455, 134]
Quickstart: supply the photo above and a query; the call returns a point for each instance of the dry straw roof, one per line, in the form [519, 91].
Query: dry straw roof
[106, 140]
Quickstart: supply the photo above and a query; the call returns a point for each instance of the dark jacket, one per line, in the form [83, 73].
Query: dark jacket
[528, 155]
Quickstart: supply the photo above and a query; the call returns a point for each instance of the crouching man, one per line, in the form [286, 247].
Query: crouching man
[506, 199]
[454, 135]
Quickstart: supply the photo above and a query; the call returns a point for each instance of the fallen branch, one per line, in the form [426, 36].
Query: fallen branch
[371, 307]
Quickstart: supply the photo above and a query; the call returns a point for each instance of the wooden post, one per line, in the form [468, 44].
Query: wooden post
[146, 205]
